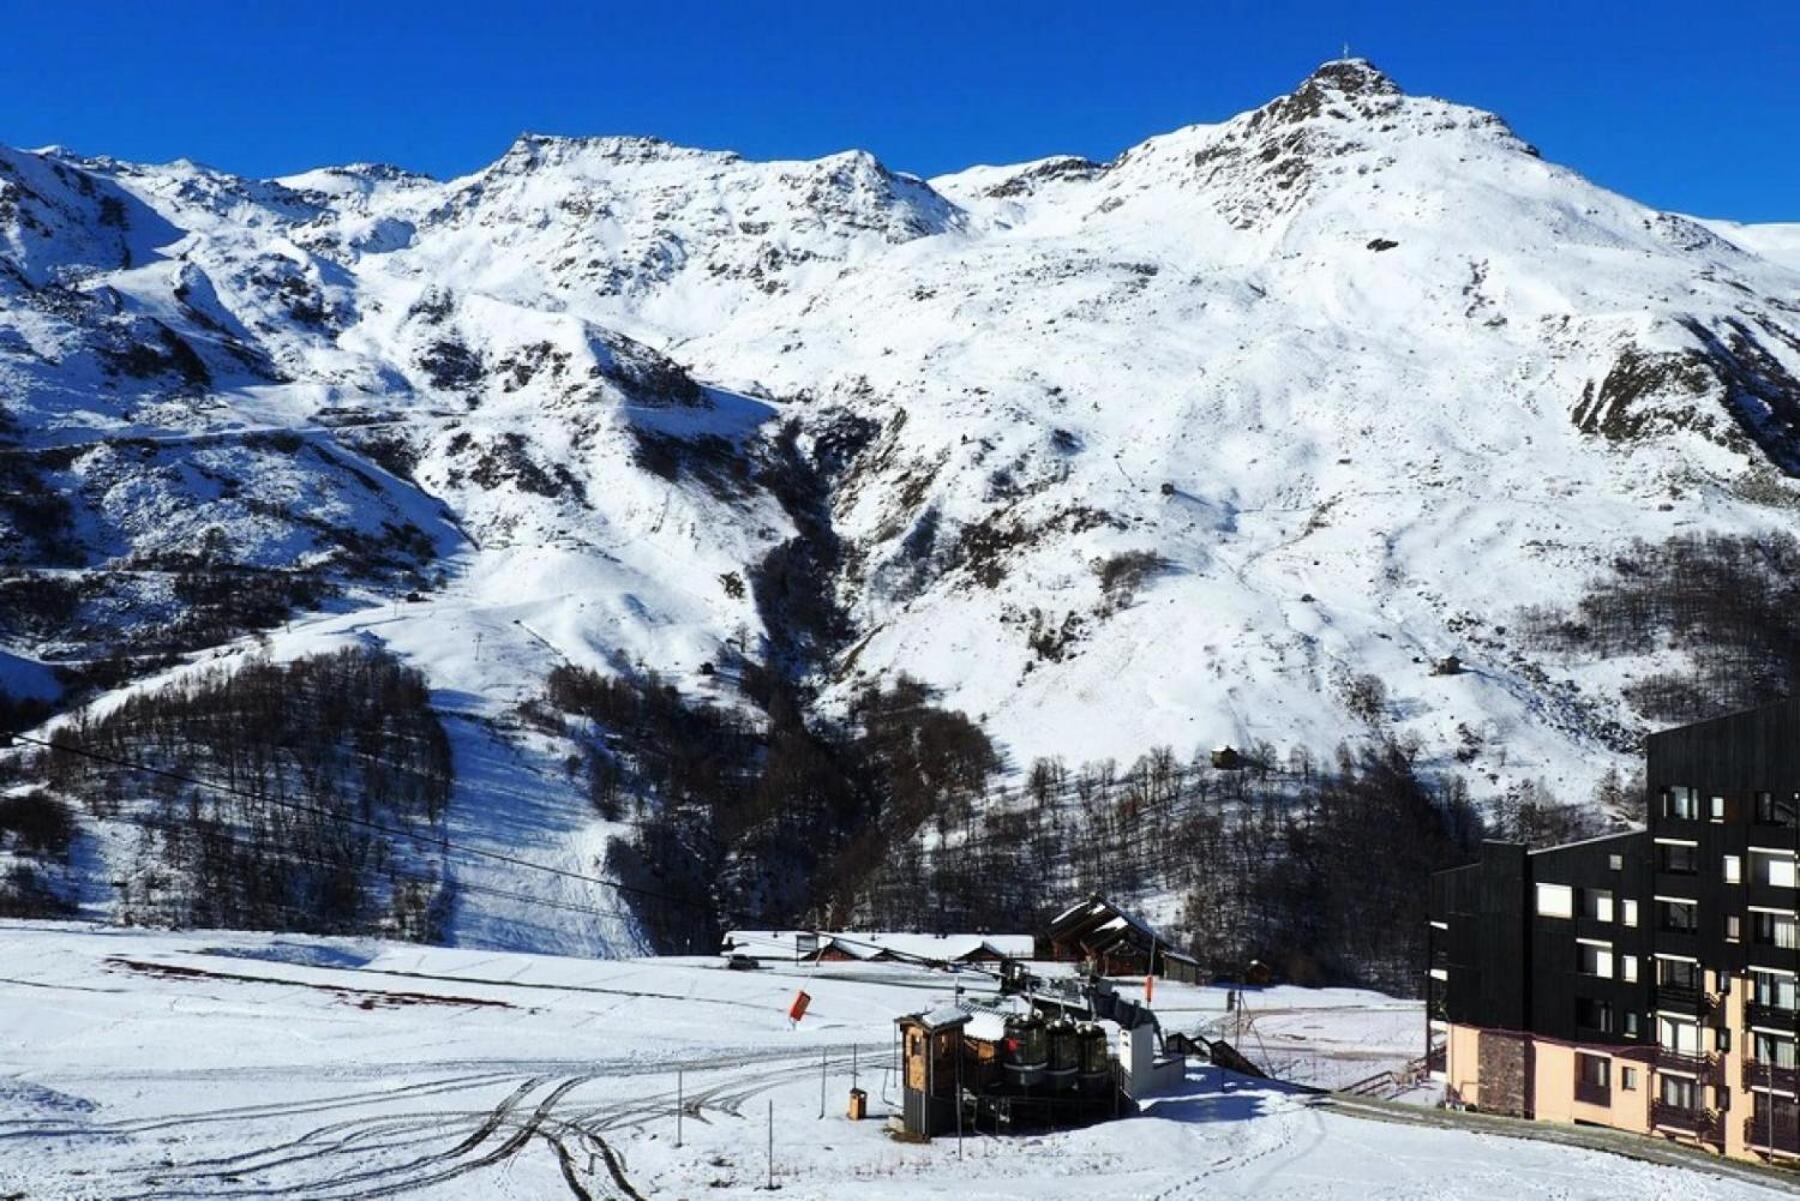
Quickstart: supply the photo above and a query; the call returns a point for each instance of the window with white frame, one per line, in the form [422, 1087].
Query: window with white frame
[1628, 968]
[1677, 915]
[1734, 870]
[1628, 912]
[1774, 868]
[1555, 900]
[1679, 1092]
[1597, 904]
[1674, 972]
[1773, 990]
[1594, 958]
[1771, 929]
[1776, 1050]
[1673, 1034]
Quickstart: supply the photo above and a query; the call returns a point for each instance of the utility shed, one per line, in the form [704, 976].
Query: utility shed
[1118, 943]
[931, 1066]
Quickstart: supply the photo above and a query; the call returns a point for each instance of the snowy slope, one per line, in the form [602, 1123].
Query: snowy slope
[231, 1065]
[1353, 376]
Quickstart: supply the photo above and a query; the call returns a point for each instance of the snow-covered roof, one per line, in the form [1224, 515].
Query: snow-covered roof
[1098, 923]
[869, 944]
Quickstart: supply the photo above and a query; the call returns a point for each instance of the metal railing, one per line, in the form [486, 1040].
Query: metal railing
[1769, 1015]
[1708, 1069]
[1759, 1074]
[1704, 1124]
[1680, 998]
[1779, 1132]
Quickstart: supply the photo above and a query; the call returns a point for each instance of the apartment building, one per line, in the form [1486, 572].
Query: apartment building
[1644, 980]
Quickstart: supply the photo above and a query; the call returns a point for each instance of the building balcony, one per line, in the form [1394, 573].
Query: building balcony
[1770, 1017]
[1589, 1093]
[1705, 1124]
[1708, 1069]
[1678, 998]
[1770, 1075]
[1765, 1132]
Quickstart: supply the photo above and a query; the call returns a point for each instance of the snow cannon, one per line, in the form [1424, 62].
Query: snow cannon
[1065, 1054]
[1024, 1051]
[1093, 1060]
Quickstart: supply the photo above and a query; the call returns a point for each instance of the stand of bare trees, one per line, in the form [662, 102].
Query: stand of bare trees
[304, 751]
[1727, 603]
[1319, 870]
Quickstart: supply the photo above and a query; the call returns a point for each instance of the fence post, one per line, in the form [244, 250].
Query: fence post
[680, 1104]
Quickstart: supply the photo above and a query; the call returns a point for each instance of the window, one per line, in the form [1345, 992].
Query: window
[1775, 1050]
[1716, 809]
[1628, 1079]
[1631, 1023]
[1593, 1014]
[1773, 990]
[1616, 862]
[1734, 870]
[1677, 916]
[1597, 904]
[1734, 928]
[1628, 968]
[1722, 1040]
[1594, 959]
[1781, 872]
[1680, 803]
[1628, 912]
[1772, 810]
[1593, 1070]
[1774, 930]
[1681, 1037]
[1679, 1092]
[1677, 858]
[1555, 900]
[1678, 973]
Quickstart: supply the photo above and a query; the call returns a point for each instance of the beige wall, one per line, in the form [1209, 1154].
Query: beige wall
[1553, 1077]
[1462, 1064]
[1553, 1089]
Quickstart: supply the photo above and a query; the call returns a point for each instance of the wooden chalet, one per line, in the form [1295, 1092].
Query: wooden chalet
[1117, 943]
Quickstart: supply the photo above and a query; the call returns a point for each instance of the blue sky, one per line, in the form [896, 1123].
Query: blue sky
[1685, 106]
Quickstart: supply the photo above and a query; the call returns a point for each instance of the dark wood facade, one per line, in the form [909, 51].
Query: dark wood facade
[1674, 948]
[1117, 943]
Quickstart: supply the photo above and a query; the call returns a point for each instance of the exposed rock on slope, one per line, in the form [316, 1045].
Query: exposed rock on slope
[1170, 449]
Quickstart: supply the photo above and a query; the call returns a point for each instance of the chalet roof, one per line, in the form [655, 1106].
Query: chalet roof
[878, 944]
[1098, 926]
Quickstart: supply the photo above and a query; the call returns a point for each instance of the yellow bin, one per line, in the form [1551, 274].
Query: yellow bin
[859, 1105]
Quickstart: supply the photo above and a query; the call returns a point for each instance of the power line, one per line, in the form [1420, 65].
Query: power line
[367, 823]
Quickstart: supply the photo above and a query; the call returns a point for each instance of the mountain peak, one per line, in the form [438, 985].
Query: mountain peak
[1339, 88]
[1351, 77]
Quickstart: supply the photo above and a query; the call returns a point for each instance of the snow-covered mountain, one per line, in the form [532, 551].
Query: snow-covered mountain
[1162, 450]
